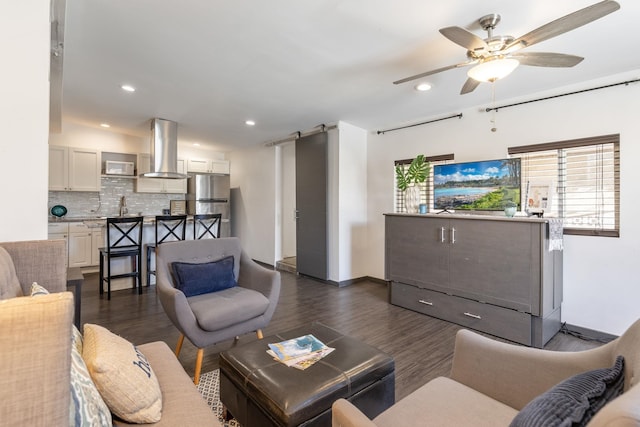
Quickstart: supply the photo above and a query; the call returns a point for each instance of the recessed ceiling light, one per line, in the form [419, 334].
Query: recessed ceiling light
[195, 144]
[105, 125]
[250, 123]
[128, 88]
[423, 87]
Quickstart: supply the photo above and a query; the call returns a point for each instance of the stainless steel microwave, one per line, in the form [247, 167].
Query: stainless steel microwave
[113, 167]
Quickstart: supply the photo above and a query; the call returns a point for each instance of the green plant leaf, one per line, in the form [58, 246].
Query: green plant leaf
[416, 173]
[401, 178]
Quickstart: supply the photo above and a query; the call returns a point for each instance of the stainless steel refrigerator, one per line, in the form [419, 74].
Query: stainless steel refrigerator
[210, 193]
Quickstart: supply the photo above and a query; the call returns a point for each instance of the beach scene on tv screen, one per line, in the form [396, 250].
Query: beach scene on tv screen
[483, 185]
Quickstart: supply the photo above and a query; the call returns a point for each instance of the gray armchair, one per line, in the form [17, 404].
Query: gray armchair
[214, 317]
[491, 381]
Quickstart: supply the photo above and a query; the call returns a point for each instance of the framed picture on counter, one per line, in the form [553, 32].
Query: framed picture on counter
[539, 196]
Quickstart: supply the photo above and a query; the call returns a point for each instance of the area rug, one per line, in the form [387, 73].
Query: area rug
[209, 387]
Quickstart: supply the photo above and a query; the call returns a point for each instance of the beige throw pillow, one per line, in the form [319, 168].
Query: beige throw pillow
[122, 375]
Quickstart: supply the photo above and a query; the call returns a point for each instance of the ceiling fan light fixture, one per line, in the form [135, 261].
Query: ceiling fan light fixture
[494, 69]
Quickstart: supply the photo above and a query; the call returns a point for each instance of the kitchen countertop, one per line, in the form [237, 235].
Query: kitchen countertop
[148, 219]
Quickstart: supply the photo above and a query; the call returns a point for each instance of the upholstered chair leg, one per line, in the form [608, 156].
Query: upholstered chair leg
[259, 334]
[179, 345]
[196, 377]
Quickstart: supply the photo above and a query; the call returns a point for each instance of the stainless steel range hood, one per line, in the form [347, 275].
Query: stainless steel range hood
[164, 150]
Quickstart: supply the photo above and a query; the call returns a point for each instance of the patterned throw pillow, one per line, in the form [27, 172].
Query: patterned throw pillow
[38, 290]
[87, 409]
[122, 375]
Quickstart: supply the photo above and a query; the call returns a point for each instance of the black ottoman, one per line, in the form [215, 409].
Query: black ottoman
[259, 391]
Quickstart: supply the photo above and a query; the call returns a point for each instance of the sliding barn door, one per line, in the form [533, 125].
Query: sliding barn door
[311, 205]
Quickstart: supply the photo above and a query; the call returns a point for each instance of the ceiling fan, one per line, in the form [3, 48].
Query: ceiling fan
[496, 57]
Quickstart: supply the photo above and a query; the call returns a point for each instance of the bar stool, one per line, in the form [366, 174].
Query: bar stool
[209, 226]
[124, 239]
[168, 228]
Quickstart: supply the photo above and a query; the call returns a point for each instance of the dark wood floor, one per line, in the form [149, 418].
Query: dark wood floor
[422, 346]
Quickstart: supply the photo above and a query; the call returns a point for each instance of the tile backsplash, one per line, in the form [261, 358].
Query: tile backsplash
[107, 202]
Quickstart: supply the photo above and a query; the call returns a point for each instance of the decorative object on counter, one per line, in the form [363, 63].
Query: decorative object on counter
[423, 208]
[58, 211]
[177, 207]
[556, 233]
[510, 208]
[407, 181]
[539, 197]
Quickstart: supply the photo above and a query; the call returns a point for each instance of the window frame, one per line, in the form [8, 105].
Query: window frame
[595, 142]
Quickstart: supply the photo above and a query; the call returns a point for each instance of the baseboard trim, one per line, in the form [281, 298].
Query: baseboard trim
[350, 282]
[586, 333]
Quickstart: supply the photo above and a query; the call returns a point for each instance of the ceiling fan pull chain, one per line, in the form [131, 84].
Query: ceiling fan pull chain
[493, 106]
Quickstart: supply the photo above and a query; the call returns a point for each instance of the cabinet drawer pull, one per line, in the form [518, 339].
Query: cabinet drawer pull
[475, 316]
[453, 235]
[441, 234]
[421, 301]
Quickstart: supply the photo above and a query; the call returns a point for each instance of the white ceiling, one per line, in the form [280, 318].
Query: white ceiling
[291, 65]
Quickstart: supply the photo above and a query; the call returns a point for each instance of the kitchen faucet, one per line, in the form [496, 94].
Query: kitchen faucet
[123, 206]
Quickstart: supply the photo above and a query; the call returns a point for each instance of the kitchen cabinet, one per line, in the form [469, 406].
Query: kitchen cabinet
[208, 166]
[82, 242]
[494, 274]
[97, 242]
[74, 169]
[79, 247]
[60, 231]
[159, 185]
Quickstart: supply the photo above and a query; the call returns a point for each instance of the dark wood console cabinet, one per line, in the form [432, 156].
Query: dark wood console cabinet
[490, 273]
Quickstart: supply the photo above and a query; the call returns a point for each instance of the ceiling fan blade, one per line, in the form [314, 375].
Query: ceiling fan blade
[438, 70]
[565, 24]
[464, 38]
[547, 59]
[469, 86]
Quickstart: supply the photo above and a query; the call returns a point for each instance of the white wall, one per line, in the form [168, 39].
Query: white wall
[352, 203]
[253, 199]
[24, 109]
[601, 285]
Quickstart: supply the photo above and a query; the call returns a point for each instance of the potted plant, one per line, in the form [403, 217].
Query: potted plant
[407, 181]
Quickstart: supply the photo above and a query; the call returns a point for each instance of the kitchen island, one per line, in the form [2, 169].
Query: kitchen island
[85, 234]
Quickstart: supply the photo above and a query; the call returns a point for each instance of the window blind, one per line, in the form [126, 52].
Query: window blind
[584, 178]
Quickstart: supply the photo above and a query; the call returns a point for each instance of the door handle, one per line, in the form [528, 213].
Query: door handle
[441, 234]
[453, 235]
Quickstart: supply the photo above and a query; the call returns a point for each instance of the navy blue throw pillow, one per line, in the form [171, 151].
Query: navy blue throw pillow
[203, 278]
[574, 401]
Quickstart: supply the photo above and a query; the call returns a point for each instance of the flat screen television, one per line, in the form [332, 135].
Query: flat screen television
[480, 186]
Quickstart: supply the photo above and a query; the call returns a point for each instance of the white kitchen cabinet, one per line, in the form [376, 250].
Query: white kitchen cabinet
[208, 166]
[82, 242]
[79, 249]
[97, 242]
[60, 232]
[74, 169]
[159, 185]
